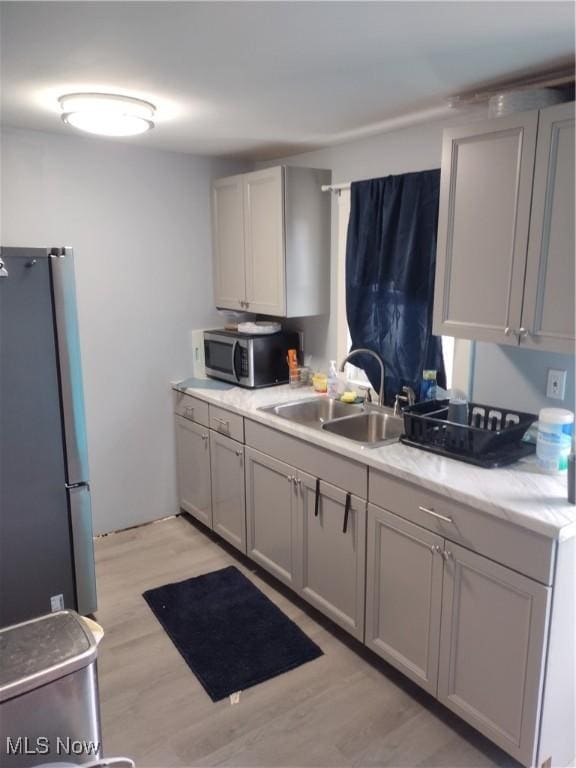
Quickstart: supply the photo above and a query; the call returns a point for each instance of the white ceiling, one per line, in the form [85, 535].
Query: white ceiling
[265, 79]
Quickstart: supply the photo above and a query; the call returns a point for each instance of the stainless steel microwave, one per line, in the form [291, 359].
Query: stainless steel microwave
[248, 360]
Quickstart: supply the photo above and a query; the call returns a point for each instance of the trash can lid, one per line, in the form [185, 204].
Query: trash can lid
[42, 650]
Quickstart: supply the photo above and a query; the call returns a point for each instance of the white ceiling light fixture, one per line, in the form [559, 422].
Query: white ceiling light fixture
[107, 114]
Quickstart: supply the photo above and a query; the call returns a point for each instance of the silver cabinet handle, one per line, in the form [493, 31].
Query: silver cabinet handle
[436, 514]
[299, 482]
[522, 332]
[204, 437]
[238, 453]
[446, 554]
[189, 411]
[435, 549]
[507, 331]
[290, 478]
[223, 423]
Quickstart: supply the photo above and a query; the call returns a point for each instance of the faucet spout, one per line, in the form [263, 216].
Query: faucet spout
[363, 351]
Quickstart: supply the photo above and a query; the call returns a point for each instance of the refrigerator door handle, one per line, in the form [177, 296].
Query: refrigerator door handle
[70, 486]
[83, 548]
[65, 314]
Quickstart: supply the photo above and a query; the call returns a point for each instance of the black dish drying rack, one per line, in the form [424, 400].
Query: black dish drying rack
[492, 437]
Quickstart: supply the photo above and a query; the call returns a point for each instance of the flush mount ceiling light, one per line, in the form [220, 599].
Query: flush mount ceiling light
[107, 114]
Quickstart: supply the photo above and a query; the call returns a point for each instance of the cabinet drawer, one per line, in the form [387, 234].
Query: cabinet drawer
[191, 408]
[520, 549]
[227, 423]
[319, 462]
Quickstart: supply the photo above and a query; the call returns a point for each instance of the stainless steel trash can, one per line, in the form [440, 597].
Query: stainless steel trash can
[49, 708]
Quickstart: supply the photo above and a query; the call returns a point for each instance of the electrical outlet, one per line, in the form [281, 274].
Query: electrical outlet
[556, 386]
[57, 603]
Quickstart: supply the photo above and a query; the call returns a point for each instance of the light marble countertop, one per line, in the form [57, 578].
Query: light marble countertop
[521, 494]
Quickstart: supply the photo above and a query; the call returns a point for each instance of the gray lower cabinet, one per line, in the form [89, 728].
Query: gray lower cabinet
[492, 649]
[404, 595]
[272, 516]
[333, 552]
[193, 468]
[228, 497]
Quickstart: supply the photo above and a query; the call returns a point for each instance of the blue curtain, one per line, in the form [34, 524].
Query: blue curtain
[390, 263]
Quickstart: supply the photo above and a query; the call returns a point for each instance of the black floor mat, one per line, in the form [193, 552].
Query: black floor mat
[229, 633]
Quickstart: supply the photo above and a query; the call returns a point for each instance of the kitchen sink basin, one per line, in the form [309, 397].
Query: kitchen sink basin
[314, 412]
[370, 428]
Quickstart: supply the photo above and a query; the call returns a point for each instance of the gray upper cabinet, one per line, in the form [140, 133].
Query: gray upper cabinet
[403, 595]
[483, 223]
[505, 258]
[549, 295]
[228, 242]
[271, 234]
[193, 467]
[492, 649]
[272, 516]
[228, 499]
[333, 552]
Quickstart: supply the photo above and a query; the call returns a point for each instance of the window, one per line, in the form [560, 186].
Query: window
[458, 353]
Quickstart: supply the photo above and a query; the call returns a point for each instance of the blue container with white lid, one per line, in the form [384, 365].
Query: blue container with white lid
[554, 442]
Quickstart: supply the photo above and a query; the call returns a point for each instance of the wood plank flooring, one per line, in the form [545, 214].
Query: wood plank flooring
[346, 708]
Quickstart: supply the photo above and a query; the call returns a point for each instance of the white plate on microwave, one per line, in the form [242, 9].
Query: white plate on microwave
[259, 327]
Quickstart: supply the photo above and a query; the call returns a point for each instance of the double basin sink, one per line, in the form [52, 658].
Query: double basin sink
[369, 426]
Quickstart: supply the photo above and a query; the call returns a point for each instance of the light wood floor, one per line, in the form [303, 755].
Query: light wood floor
[346, 708]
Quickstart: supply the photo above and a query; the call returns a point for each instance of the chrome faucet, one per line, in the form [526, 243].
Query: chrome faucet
[362, 351]
[406, 396]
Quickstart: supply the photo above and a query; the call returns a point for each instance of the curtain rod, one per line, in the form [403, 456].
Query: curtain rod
[336, 188]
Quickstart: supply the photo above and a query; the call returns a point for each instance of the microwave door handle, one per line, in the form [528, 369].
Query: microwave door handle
[234, 350]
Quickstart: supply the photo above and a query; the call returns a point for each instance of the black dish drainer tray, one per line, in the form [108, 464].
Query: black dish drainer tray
[491, 437]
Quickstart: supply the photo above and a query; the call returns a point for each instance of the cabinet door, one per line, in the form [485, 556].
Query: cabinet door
[403, 595]
[228, 239]
[228, 498]
[193, 466]
[492, 649]
[264, 241]
[548, 314]
[333, 560]
[272, 516]
[484, 217]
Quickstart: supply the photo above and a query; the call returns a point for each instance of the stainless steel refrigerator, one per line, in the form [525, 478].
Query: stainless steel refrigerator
[46, 547]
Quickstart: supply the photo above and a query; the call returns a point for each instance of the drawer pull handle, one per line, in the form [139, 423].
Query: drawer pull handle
[223, 423]
[317, 498]
[436, 514]
[347, 511]
[238, 453]
[446, 554]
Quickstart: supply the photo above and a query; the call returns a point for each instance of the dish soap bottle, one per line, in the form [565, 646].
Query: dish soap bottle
[333, 380]
[428, 385]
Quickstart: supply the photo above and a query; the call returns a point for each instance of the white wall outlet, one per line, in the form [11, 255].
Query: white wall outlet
[57, 603]
[556, 386]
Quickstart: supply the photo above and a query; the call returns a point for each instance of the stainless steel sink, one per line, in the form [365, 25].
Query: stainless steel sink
[371, 428]
[314, 412]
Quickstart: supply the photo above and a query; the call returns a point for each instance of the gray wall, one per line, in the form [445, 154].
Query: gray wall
[520, 374]
[139, 222]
